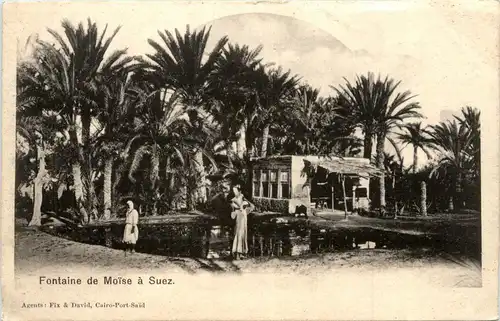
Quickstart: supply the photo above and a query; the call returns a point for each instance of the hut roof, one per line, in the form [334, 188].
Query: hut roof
[345, 166]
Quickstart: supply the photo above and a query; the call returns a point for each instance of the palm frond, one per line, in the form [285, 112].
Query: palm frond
[139, 154]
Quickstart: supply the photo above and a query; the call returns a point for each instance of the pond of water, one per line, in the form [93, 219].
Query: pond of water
[283, 237]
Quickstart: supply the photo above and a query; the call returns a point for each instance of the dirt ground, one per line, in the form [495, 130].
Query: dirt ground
[37, 252]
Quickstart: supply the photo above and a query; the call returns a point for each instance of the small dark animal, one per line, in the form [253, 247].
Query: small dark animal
[301, 211]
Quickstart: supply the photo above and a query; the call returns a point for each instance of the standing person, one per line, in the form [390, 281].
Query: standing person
[131, 231]
[240, 209]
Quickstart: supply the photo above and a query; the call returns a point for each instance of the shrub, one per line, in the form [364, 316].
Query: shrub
[271, 205]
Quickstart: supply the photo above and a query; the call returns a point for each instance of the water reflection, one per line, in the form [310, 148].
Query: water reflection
[269, 237]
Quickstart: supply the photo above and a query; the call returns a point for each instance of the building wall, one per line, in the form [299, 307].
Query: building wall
[363, 202]
[277, 164]
[299, 193]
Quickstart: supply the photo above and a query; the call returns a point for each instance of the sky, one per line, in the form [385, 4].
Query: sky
[445, 53]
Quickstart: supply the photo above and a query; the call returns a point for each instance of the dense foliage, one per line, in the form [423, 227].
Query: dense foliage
[96, 127]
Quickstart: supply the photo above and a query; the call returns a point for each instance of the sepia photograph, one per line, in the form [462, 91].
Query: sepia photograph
[249, 140]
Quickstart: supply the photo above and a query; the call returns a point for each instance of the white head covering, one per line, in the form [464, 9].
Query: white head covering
[129, 202]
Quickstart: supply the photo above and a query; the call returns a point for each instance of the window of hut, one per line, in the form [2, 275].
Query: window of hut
[274, 184]
[285, 184]
[256, 185]
[265, 183]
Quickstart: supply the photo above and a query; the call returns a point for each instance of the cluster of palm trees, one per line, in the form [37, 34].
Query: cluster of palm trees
[458, 142]
[101, 124]
[453, 148]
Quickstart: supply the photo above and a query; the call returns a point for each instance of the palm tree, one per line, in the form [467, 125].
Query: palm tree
[471, 119]
[116, 120]
[390, 118]
[164, 136]
[423, 198]
[232, 90]
[399, 151]
[416, 135]
[335, 130]
[376, 111]
[38, 127]
[30, 130]
[305, 111]
[182, 64]
[349, 146]
[453, 141]
[35, 139]
[69, 76]
[361, 101]
[312, 125]
[392, 166]
[234, 105]
[275, 89]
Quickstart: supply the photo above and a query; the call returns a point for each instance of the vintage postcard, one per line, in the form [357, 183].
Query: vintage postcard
[250, 160]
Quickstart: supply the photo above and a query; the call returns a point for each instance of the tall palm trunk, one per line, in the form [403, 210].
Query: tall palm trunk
[200, 168]
[423, 198]
[107, 188]
[368, 145]
[77, 176]
[249, 140]
[249, 147]
[380, 164]
[36, 219]
[451, 207]
[171, 181]
[79, 191]
[119, 172]
[458, 200]
[415, 159]
[90, 188]
[239, 150]
[190, 196]
[154, 176]
[344, 195]
[265, 138]
[89, 192]
[199, 193]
